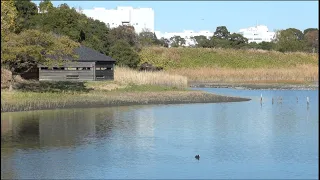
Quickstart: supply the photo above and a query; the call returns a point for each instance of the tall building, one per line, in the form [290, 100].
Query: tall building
[139, 18]
[257, 34]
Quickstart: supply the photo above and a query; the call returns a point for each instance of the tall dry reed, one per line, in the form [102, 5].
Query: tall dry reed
[128, 76]
[298, 74]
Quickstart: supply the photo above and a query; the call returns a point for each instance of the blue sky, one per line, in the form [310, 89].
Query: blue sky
[175, 16]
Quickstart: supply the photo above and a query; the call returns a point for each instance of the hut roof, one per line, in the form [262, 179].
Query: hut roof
[90, 55]
[86, 54]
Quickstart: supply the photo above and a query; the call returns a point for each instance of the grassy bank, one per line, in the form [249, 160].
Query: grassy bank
[26, 101]
[129, 88]
[235, 66]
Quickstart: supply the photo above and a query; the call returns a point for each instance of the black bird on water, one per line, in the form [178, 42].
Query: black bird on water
[197, 157]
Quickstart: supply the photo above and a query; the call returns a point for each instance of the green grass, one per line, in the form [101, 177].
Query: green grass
[171, 58]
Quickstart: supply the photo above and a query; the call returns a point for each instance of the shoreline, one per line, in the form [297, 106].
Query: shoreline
[121, 99]
[256, 86]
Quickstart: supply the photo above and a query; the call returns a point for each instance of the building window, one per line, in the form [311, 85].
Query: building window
[99, 76]
[71, 68]
[72, 76]
[125, 23]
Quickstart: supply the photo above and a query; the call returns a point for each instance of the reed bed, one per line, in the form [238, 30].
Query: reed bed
[299, 74]
[160, 78]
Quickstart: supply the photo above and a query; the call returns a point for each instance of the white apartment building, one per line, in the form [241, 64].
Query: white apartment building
[139, 18]
[257, 34]
[186, 34]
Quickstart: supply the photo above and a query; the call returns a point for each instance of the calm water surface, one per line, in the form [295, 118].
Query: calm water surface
[235, 140]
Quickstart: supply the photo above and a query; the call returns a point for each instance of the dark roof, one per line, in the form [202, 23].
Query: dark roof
[86, 54]
[90, 55]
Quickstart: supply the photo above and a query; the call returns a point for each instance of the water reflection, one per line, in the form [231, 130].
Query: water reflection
[71, 127]
[235, 140]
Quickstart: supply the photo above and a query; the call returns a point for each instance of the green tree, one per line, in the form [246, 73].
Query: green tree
[219, 43]
[61, 20]
[21, 52]
[124, 54]
[177, 41]
[26, 10]
[64, 20]
[202, 41]
[164, 42]
[94, 34]
[148, 38]
[312, 40]
[221, 32]
[125, 33]
[253, 45]
[45, 6]
[290, 40]
[8, 17]
[266, 45]
[309, 29]
[237, 40]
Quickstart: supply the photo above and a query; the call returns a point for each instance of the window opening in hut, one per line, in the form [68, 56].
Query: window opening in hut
[72, 76]
[99, 76]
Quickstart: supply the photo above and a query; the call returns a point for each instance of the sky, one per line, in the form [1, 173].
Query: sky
[176, 16]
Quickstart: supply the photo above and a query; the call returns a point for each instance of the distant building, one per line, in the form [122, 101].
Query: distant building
[257, 34]
[186, 34]
[139, 18]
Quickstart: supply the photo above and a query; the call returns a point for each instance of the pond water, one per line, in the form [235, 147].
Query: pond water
[234, 140]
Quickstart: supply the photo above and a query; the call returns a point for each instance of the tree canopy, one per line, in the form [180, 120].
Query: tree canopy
[8, 16]
[177, 41]
[221, 32]
[290, 40]
[148, 38]
[23, 51]
[124, 54]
